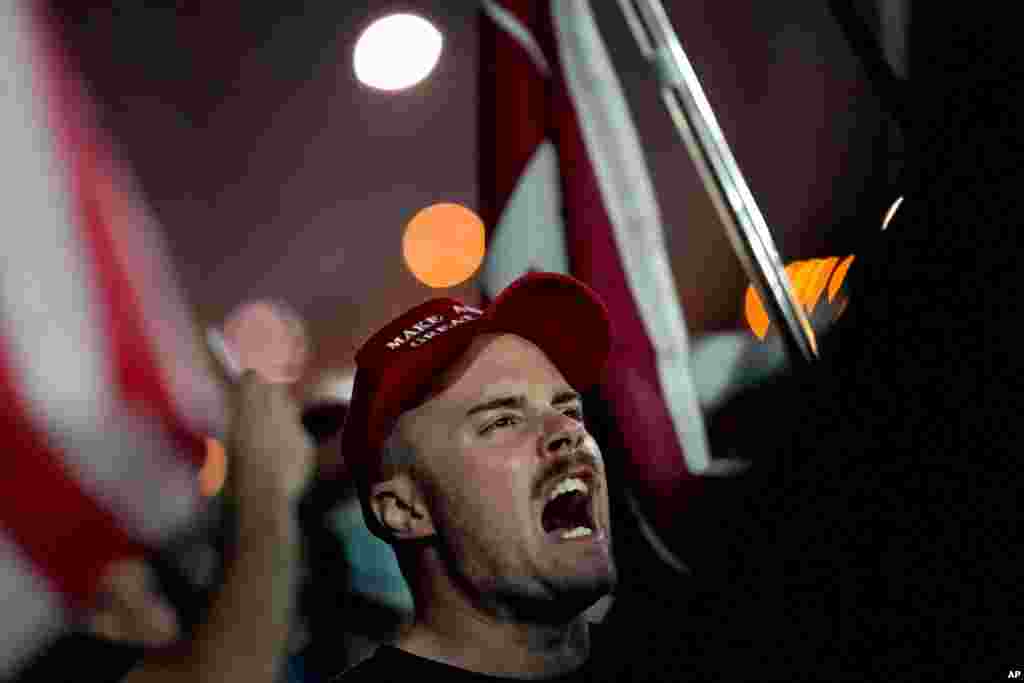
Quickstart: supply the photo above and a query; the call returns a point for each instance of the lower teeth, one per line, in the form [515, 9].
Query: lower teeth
[577, 532]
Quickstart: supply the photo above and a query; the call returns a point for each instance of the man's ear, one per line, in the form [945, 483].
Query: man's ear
[400, 508]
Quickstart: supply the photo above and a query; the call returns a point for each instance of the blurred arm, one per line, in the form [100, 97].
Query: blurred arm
[245, 633]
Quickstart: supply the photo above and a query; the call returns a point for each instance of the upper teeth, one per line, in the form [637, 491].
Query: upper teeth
[567, 485]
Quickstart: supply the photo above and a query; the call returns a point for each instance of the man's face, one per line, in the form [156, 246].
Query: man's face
[519, 497]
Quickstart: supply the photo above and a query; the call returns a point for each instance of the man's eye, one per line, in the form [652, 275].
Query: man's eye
[575, 413]
[503, 421]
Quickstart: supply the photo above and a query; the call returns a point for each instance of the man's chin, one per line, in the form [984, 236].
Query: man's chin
[561, 596]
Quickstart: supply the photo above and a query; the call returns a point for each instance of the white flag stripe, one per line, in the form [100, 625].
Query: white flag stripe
[52, 318]
[136, 473]
[32, 612]
[43, 291]
[521, 34]
[197, 400]
[529, 233]
[613, 148]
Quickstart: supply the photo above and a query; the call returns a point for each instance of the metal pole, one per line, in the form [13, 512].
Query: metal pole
[696, 124]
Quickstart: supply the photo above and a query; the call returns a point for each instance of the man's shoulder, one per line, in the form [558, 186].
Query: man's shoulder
[613, 658]
[389, 663]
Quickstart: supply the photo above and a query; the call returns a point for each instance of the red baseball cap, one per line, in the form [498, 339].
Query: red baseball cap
[397, 366]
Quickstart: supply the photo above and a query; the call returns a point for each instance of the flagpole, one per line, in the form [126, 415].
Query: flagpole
[744, 224]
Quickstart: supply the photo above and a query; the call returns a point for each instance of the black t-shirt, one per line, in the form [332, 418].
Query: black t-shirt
[611, 659]
[390, 663]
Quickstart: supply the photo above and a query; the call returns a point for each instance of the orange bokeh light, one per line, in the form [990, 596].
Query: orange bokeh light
[214, 470]
[809, 279]
[443, 245]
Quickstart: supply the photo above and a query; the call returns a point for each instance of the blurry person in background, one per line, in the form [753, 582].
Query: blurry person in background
[353, 596]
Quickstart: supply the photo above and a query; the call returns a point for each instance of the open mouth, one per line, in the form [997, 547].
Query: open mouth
[568, 512]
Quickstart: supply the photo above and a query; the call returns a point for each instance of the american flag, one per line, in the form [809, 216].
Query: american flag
[106, 393]
[565, 186]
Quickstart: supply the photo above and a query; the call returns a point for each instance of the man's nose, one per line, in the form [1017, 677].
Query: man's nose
[562, 433]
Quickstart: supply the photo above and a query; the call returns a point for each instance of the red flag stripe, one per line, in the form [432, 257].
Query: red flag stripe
[66, 534]
[514, 97]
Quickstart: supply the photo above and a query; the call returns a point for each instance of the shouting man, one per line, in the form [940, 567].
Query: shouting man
[467, 439]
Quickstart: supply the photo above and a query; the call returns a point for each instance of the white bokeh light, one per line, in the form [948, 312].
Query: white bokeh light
[891, 212]
[396, 52]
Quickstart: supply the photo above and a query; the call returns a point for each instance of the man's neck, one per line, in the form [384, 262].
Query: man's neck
[469, 638]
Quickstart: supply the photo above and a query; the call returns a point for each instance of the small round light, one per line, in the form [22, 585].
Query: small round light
[443, 245]
[269, 337]
[397, 52]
